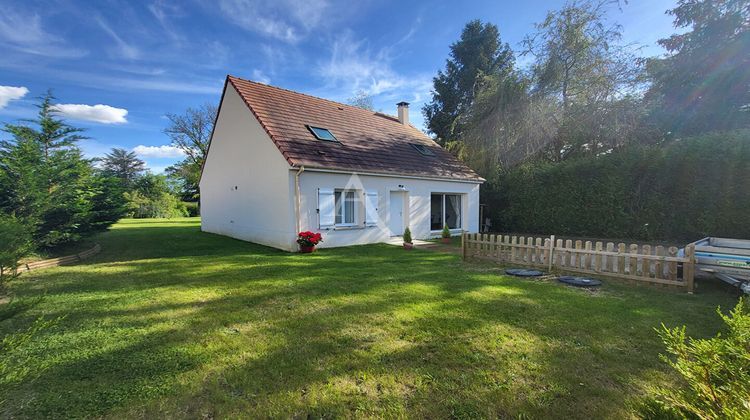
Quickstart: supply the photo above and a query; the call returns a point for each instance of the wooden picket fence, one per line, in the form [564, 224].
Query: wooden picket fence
[640, 263]
[66, 260]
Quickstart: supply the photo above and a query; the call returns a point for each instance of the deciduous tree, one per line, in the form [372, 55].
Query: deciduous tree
[191, 133]
[580, 61]
[361, 99]
[704, 82]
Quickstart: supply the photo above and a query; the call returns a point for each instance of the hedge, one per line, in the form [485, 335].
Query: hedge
[683, 190]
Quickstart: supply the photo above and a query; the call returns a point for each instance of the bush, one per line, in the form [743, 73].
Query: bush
[152, 198]
[715, 371]
[446, 232]
[407, 236]
[192, 208]
[686, 189]
[15, 243]
[164, 205]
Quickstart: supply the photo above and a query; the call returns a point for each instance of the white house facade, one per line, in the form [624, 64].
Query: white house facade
[281, 162]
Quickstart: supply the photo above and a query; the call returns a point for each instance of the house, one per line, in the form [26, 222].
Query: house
[280, 162]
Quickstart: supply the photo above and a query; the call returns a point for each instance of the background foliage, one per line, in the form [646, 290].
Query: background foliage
[49, 187]
[152, 197]
[591, 139]
[686, 189]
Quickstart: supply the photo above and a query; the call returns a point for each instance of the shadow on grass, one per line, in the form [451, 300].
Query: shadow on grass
[169, 321]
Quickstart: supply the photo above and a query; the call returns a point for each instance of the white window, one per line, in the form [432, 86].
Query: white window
[445, 209]
[347, 208]
[346, 205]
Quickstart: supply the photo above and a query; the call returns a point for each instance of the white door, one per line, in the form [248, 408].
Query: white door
[396, 215]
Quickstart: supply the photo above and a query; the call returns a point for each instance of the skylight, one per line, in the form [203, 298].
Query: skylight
[422, 149]
[322, 133]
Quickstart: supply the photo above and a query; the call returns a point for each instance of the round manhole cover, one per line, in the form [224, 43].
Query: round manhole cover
[522, 272]
[580, 281]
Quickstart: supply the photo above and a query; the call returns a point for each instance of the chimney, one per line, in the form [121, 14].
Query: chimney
[403, 112]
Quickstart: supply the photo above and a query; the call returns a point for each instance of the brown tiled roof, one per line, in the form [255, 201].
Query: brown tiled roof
[367, 141]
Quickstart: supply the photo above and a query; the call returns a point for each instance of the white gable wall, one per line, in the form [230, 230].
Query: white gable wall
[245, 189]
[418, 192]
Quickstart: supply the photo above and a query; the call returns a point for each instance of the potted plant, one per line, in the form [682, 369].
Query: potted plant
[307, 241]
[407, 239]
[446, 235]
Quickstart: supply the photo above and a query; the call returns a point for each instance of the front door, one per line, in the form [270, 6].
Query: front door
[396, 215]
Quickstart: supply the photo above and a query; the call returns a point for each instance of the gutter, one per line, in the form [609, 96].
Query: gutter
[391, 175]
[298, 201]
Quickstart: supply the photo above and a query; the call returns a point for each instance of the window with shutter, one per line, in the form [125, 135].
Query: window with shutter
[345, 202]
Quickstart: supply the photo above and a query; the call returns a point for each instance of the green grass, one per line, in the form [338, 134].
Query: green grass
[454, 243]
[171, 322]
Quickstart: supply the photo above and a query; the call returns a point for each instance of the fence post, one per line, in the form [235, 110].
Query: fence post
[463, 245]
[551, 252]
[688, 269]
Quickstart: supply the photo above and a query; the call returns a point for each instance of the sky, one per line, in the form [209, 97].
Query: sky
[116, 68]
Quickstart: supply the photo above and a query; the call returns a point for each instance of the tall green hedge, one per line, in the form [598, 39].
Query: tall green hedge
[686, 189]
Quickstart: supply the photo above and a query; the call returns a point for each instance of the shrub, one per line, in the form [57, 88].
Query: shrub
[715, 371]
[446, 232]
[407, 236]
[15, 243]
[192, 208]
[163, 205]
[152, 197]
[685, 189]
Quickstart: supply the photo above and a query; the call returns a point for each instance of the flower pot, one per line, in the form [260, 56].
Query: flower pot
[408, 245]
[445, 240]
[306, 249]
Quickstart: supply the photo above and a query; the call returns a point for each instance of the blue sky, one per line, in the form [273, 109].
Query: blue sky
[117, 67]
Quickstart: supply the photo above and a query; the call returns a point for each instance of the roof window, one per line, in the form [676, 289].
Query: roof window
[422, 149]
[322, 133]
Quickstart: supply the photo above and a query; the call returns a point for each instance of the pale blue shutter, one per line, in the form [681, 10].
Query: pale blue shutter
[326, 208]
[371, 208]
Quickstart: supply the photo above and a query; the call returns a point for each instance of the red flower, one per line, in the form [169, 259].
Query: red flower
[308, 238]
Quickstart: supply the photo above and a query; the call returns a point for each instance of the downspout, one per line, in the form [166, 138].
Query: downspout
[298, 206]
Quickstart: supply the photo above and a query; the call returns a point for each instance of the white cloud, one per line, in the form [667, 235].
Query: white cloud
[123, 49]
[165, 151]
[104, 114]
[286, 20]
[167, 85]
[11, 93]
[157, 84]
[163, 11]
[261, 77]
[25, 32]
[353, 66]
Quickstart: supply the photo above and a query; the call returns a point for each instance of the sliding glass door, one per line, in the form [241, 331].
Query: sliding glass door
[445, 209]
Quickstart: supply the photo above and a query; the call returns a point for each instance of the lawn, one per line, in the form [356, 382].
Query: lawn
[171, 322]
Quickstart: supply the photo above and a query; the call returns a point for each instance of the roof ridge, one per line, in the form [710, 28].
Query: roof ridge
[309, 96]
